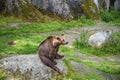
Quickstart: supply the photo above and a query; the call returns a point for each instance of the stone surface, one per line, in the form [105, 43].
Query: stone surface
[117, 5]
[99, 38]
[28, 67]
[103, 4]
[70, 9]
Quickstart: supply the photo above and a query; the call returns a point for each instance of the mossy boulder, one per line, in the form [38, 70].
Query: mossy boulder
[30, 67]
[23, 9]
[90, 9]
[55, 9]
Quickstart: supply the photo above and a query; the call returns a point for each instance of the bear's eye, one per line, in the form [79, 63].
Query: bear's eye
[63, 40]
[58, 38]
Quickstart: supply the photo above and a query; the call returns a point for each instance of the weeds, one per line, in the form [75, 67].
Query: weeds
[104, 66]
[5, 20]
[3, 74]
[83, 40]
[28, 36]
[111, 47]
[67, 51]
[111, 16]
[72, 74]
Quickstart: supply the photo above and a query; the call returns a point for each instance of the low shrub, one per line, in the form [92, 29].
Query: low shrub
[111, 47]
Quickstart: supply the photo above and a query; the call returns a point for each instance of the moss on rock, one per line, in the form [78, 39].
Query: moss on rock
[28, 12]
[3, 74]
[90, 9]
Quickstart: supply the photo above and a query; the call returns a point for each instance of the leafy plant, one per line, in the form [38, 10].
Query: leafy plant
[111, 16]
[111, 47]
[3, 74]
[83, 40]
[9, 19]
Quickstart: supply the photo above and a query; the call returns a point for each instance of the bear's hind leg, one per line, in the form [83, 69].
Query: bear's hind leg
[49, 63]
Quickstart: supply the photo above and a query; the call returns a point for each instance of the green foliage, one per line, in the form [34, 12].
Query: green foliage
[48, 26]
[111, 16]
[54, 25]
[72, 74]
[67, 51]
[86, 8]
[25, 43]
[28, 36]
[83, 40]
[106, 66]
[3, 74]
[113, 46]
[10, 19]
[109, 48]
[116, 22]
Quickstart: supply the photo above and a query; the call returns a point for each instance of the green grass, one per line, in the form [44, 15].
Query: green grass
[38, 27]
[72, 74]
[109, 48]
[104, 66]
[3, 74]
[25, 44]
[116, 22]
[9, 19]
[67, 50]
[28, 36]
[111, 16]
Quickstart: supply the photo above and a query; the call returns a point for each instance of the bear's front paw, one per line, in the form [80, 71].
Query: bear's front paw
[59, 56]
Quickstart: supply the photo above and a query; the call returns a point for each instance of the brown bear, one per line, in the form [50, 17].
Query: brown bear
[48, 50]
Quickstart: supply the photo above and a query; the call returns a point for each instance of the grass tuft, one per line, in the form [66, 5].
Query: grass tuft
[9, 19]
[111, 16]
[28, 36]
[109, 48]
[3, 74]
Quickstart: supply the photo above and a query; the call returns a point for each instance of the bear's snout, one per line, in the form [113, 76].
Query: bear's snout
[67, 42]
[64, 43]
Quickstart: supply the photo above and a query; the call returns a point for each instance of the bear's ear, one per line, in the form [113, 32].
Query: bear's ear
[49, 37]
[62, 34]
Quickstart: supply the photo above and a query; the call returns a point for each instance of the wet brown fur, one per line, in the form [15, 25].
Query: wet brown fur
[48, 51]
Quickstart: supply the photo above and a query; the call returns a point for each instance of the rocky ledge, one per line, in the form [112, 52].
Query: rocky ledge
[28, 67]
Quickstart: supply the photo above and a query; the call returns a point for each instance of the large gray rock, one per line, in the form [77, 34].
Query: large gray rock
[117, 5]
[59, 6]
[102, 4]
[28, 67]
[66, 8]
[99, 38]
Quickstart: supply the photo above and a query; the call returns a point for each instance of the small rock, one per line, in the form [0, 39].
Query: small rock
[11, 42]
[99, 38]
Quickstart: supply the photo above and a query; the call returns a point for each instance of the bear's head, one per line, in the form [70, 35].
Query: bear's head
[58, 40]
